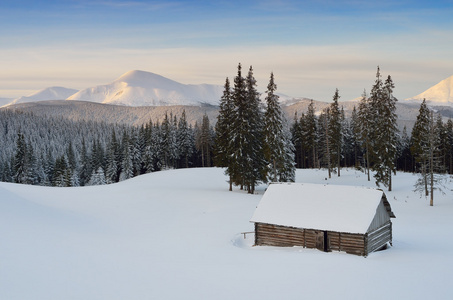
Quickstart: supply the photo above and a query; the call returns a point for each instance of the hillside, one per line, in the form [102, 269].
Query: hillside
[82, 110]
[177, 235]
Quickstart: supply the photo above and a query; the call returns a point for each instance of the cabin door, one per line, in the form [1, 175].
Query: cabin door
[322, 242]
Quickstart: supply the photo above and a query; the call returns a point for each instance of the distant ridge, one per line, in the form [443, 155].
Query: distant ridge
[50, 93]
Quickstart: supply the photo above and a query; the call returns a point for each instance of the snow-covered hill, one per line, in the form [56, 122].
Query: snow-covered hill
[131, 115]
[177, 235]
[440, 94]
[140, 88]
[50, 93]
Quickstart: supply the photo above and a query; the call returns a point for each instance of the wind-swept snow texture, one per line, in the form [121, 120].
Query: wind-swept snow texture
[177, 235]
[140, 88]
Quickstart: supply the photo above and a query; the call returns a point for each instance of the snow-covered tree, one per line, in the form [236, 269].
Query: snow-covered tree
[278, 147]
[385, 130]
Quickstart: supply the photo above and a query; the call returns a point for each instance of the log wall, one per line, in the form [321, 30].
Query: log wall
[358, 244]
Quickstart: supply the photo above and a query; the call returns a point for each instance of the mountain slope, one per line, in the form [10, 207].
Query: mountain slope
[140, 88]
[50, 93]
[440, 94]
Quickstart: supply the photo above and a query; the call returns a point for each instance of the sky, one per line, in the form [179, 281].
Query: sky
[312, 47]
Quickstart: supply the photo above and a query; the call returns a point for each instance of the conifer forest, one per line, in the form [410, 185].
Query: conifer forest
[251, 139]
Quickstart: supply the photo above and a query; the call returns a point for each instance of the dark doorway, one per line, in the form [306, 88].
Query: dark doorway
[320, 240]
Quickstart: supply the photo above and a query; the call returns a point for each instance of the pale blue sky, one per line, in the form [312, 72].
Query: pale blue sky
[312, 47]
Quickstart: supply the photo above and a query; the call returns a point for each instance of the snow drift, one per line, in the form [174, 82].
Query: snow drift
[177, 235]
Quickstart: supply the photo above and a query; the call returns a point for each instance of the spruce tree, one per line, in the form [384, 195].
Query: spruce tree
[334, 132]
[277, 143]
[365, 118]
[19, 164]
[223, 129]
[385, 137]
[310, 134]
[420, 143]
[249, 164]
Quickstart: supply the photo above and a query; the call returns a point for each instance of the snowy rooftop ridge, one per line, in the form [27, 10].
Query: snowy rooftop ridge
[318, 206]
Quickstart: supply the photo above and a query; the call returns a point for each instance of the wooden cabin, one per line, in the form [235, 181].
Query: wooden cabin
[351, 219]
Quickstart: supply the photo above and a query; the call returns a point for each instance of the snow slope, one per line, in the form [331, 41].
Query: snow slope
[140, 88]
[440, 94]
[50, 93]
[177, 235]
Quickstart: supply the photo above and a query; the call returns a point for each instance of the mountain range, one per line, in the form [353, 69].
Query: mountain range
[140, 88]
[137, 97]
[134, 88]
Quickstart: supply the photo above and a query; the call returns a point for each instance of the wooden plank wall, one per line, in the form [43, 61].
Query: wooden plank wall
[274, 235]
[379, 238]
[281, 236]
[358, 244]
[347, 242]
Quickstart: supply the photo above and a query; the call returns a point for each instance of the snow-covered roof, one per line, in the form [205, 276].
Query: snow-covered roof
[316, 206]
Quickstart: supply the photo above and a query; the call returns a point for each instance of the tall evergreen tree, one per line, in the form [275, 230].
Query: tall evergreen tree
[385, 135]
[248, 156]
[310, 134]
[20, 159]
[277, 144]
[334, 132]
[366, 129]
[185, 139]
[420, 142]
[223, 129]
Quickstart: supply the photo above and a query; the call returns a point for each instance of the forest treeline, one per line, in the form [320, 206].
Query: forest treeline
[251, 139]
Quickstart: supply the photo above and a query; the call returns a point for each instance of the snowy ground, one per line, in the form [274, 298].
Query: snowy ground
[176, 235]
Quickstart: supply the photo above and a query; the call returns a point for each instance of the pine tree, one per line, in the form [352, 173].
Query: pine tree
[355, 131]
[112, 172]
[385, 137]
[277, 143]
[449, 146]
[420, 142]
[127, 168]
[310, 133]
[296, 139]
[98, 177]
[365, 116]
[19, 164]
[223, 129]
[248, 156]
[334, 132]
[431, 177]
[185, 139]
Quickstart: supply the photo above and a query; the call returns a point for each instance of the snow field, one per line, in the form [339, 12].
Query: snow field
[177, 235]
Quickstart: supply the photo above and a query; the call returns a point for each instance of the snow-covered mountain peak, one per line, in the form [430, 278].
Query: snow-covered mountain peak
[140, 88]
[143, 78]
[439, 94]
[50, 93]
